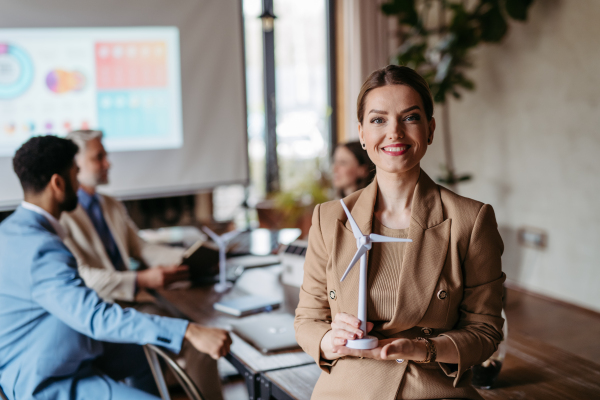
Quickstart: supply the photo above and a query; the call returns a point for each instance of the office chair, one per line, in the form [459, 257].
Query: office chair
[152, 354]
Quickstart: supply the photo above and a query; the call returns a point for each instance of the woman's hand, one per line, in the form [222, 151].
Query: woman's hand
[343, 328]
[389, 349]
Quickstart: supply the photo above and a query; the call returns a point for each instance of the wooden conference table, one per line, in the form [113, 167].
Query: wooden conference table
[531, 370]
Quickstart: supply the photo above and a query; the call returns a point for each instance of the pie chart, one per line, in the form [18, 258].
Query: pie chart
[16, 71]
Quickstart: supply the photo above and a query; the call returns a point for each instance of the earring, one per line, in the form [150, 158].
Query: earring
[364, 146]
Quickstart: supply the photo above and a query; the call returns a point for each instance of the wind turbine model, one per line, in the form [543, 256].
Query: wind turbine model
[364, 244]
[222, 241]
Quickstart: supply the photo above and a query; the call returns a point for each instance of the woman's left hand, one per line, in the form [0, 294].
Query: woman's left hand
[389, 349]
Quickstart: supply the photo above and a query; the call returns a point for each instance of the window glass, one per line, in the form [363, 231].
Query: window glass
[301, 90]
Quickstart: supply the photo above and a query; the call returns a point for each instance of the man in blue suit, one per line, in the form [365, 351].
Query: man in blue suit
[58, 339]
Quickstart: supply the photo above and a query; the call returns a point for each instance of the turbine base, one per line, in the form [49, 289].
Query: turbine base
[366, 343]
[220, 288]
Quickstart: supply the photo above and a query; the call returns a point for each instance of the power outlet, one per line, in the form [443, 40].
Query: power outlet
[535, 238]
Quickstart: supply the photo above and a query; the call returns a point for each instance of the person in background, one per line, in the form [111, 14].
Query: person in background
[58, 338]
[352, 169]
[103, 237]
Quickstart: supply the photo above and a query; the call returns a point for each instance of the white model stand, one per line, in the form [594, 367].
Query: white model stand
[222, 241]
[364, 244]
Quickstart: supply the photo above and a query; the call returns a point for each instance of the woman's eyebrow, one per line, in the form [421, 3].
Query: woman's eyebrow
[415, 107]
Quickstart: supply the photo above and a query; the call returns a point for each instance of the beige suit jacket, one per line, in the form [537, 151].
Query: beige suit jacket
[93, 261]
[450, 282]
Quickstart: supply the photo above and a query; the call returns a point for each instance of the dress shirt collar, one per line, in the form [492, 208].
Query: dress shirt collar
[53, 221]
[85, 199]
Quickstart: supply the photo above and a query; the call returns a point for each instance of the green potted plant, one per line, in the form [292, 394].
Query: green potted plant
[437, 37]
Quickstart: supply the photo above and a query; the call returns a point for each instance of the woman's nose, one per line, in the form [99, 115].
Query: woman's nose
[395, 131]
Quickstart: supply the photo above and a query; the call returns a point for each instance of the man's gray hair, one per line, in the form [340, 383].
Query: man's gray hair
[82, 136]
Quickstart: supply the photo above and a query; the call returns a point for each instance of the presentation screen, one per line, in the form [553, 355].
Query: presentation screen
[164, 80]
[123, 81]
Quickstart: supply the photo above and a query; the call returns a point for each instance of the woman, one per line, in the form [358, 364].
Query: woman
[352, 168]
[445, 287]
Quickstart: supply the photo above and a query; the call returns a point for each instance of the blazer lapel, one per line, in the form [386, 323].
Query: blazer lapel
[88, 230]
[423, 259]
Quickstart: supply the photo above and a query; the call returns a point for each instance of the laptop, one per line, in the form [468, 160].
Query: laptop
[268, 332]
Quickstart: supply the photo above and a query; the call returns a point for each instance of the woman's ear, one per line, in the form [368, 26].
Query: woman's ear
[431, 131]
[360, 134]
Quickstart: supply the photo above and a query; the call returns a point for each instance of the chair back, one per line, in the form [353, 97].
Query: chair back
[154, 354]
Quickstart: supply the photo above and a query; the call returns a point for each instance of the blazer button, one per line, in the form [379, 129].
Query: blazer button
[442, 294]
[332, 294]
[427, 331]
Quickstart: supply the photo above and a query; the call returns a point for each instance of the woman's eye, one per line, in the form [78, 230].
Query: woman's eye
[377, 120]
[413, 117]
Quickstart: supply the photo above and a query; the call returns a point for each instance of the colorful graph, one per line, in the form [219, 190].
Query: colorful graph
[124, 81]
[131, 78]
[124, 65]
[16, 71]
[60, 81]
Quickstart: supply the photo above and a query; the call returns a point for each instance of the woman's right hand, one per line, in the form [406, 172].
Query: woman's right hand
[343, 328]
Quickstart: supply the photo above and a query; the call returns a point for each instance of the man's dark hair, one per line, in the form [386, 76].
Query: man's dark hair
[41, 157]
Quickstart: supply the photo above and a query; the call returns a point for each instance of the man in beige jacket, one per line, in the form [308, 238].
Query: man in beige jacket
[103, 238]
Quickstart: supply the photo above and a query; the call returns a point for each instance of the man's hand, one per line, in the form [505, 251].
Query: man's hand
[212, 341]
[160, 277]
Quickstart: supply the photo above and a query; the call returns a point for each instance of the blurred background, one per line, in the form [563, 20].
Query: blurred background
[228, 113]
[515, 87]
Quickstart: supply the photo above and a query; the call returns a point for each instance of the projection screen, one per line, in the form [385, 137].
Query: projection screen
[163, 79]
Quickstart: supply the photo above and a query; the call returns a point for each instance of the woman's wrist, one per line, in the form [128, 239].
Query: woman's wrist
[327, 347]
[430, 350]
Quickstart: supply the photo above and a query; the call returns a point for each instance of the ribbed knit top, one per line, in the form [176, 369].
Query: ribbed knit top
[385, 263]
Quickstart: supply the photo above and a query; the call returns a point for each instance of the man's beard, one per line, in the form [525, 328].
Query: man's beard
[71, 199]
[93, 180]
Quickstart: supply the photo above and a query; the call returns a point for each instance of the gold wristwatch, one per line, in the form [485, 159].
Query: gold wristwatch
[431, 351]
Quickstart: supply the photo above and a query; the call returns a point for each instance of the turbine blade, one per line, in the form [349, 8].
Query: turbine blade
[355, 229]
[359, 253]
[229, 235]
[383, 239]
[212, 235]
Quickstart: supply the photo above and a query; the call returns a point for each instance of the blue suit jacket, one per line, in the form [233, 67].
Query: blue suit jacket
[51, 324]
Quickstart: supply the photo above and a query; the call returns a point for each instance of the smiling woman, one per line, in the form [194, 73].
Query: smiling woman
[434, 304]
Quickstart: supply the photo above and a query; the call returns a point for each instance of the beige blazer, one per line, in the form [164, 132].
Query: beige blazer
[95, 266]
[450, 284]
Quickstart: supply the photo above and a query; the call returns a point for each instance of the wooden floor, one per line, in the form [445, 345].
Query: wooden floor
[564, 326]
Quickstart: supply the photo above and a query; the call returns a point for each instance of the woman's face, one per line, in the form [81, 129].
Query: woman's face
[395, 129]
[346, 169]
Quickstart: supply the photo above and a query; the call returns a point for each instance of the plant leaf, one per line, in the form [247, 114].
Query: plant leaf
[517, 9]
[492, 24]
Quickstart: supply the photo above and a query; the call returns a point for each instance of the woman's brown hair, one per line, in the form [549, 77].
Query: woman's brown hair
[395, 75]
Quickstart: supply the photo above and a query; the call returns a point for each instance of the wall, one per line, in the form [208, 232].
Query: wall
[530, 134]
[365, 39]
